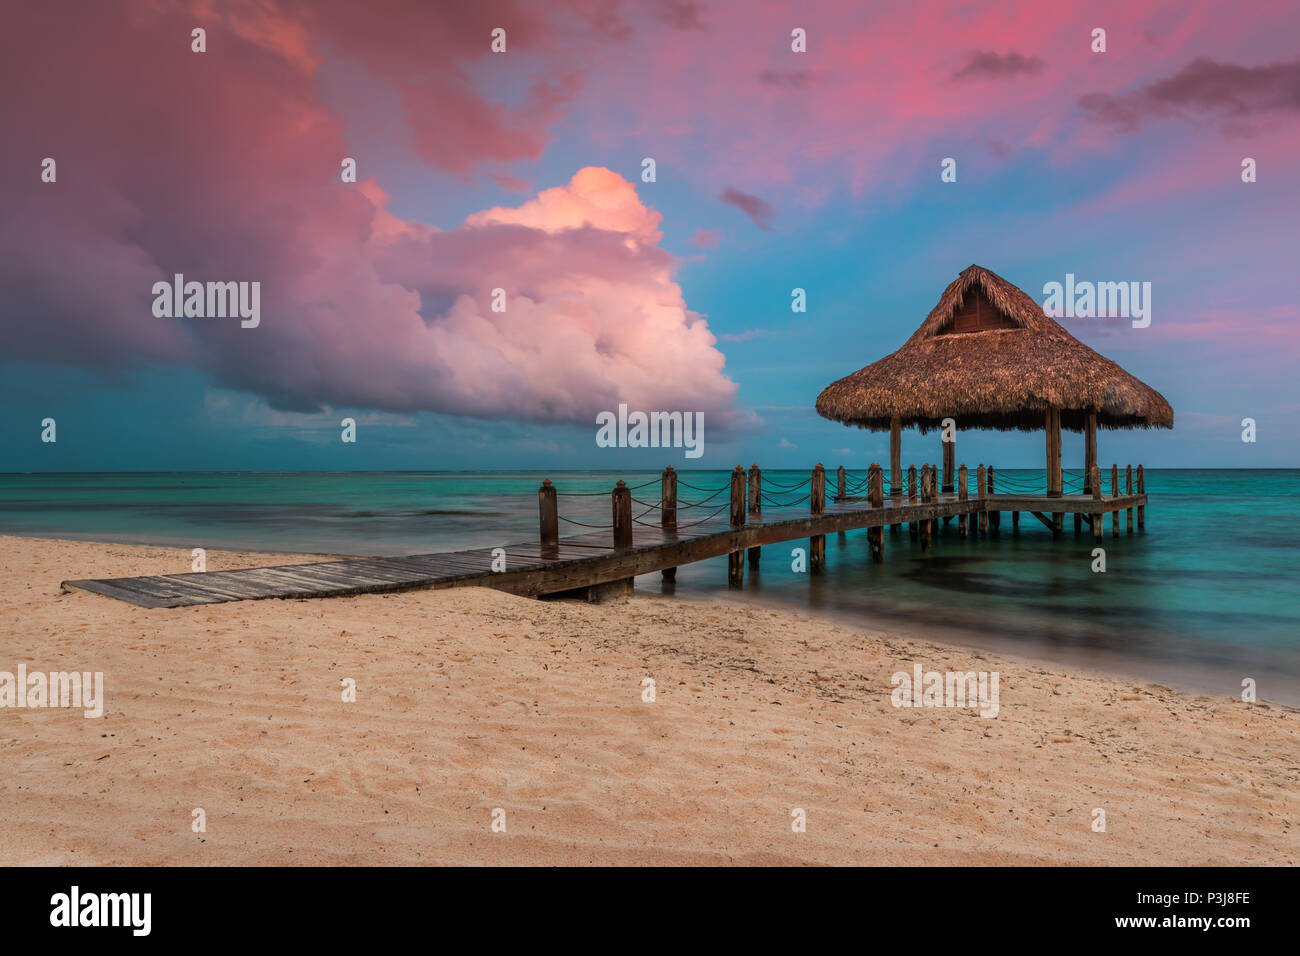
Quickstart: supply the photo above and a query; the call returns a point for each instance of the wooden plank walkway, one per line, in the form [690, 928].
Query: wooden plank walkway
[580, 561]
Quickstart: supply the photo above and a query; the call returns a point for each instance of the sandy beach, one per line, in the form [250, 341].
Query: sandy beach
[471, 700]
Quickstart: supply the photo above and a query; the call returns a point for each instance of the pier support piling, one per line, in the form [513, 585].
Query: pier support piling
[963, 494]
[1114, 493]
[735, 560]
[1142, 490]
[995, 516]
[1097, 520]
[876, 498]
[668, 512]
[895, 464]
[817, 506]
[549, 520]
[1128, 490]
[755, 508]
[912, 530]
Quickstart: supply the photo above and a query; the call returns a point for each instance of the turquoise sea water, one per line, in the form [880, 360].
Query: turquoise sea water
[1205, 597]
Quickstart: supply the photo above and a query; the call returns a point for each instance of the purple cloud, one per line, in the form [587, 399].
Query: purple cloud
[753, 207]
[1202, 87]
[986, 65]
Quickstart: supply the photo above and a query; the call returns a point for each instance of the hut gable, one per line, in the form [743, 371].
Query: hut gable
[973, 312]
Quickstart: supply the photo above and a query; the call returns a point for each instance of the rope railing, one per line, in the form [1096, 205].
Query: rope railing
[749, 495]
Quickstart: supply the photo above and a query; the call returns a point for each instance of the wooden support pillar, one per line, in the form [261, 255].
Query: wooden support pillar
[549, 520]
[735, 562]
[622, 507]
[1015, 521]
[1128, 490]
[1142, 490]
[963, 494]
[876, 498]
[839, 483]
[668, 500]
[1053, 428]
[981, 490]
[995, 516]
[912, 528]
[949, 456]
[1114, 493]
[927, 486]
[895, 465]
[668, 511]
[1098, 520]
[755, 507]
[1089, 451]
[1078, 523]
[817, 506]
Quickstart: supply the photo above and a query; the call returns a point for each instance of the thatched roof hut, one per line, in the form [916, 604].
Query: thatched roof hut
[988, 357]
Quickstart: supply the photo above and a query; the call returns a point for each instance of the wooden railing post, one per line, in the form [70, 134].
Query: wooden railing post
[1098, 519]
[755, 507]
[927, 495]
[963, 494]
[995, 516]
[912, 527]
[549, 519]
[735, 562]
[876, 499]
[1142, 490]
[817, 506]
[981, 490]
[1128, 490]
[622, 507]
[668, 500]
[668, 512]
[1114, 493]
[839, 483]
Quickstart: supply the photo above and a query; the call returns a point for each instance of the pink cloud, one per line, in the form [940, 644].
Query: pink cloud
[225, 166]
[707, 238]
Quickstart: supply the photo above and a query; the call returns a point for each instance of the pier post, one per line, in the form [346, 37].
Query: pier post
[934, 497]
[755, 506]
[982, 489]
[995, 516]
[1114, 493]
[912, 529]
[839, 483]
[622, 506]
[1142, 490]
[1015, 521]
[1098, 520]
[817, 506]
[1053, 428]
[949, 453]
[963, 494]
[949, 473]
[876, 498]
[1089, 451]
[1128, 490]
[549, 519]
[927, 490]
[668, 512]
[895, 465]
[735, 560]
[668, 500]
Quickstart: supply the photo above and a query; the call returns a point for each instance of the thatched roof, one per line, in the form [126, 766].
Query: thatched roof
[1003, 378]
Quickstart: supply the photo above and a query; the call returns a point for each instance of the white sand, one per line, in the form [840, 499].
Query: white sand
[470, 699]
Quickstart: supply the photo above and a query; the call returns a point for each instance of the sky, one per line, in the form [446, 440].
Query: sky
[525, 170]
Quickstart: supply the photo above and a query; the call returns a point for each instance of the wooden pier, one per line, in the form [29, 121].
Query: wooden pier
[606, 560]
